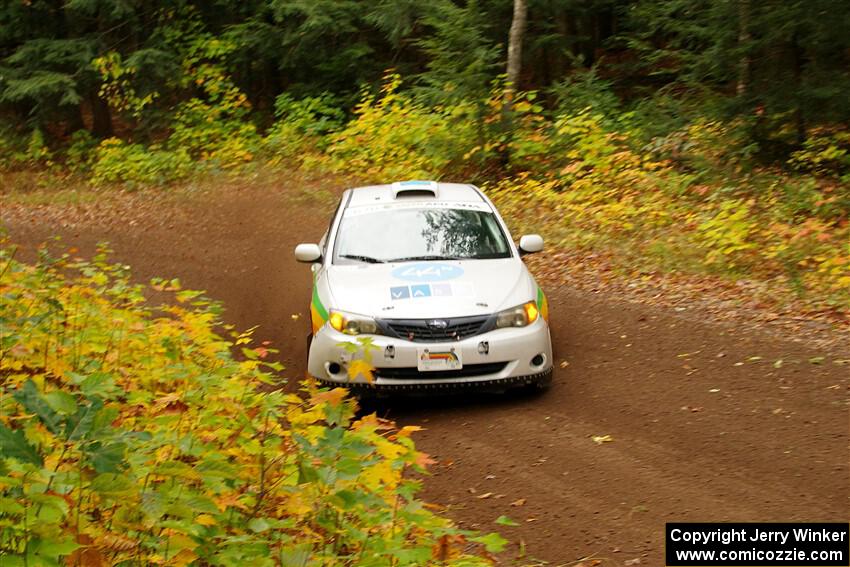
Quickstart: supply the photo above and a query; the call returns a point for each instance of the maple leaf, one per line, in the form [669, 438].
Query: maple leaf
[372, 420]
[115, 542]
[170, 403]
[87, 555]
[448, 547]
[333, 397]
[227, 500]
[361, 367]
[423, 460]
[183, 557]
[205, 520]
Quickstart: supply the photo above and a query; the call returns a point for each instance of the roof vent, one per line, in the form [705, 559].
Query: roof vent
[408, 189]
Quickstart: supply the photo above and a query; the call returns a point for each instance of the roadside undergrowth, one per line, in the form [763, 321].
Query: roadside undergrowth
[593, 181]
[131, 434]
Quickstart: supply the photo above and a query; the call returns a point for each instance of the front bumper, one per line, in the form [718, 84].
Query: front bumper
[506, 364]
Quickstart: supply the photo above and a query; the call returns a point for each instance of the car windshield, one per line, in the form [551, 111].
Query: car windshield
[408, 234]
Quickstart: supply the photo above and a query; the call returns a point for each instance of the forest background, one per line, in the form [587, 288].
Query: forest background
[703, 138]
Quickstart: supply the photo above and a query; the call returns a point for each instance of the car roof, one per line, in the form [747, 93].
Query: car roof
[415, 191]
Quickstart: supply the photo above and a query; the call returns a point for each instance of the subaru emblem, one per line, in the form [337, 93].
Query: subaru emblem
[438, 324]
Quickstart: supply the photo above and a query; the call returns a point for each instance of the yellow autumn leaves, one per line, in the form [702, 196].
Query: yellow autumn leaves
[132, 434]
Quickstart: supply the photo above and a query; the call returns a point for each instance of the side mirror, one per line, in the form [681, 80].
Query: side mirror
[530, 243]
[308, 253]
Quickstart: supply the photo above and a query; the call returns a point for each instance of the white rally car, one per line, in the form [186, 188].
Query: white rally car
[418, 285]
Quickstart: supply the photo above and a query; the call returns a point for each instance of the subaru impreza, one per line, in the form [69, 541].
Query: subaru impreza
[417, 285]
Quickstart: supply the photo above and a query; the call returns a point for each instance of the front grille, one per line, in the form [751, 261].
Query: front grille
[423, 330]
[467, 371]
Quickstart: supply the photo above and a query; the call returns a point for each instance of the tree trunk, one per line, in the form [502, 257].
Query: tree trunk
[75, 120]
[101, 117]
[515, 49]
[797, 69]
[744, 37]
[514, 68]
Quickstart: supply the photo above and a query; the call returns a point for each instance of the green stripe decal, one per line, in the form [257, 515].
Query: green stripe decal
[542, 304]
[317, 303]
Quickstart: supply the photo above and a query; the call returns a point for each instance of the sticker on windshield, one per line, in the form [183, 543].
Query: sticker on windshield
[427, 272]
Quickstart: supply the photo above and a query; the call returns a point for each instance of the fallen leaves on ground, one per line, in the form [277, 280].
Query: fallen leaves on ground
[752, 304]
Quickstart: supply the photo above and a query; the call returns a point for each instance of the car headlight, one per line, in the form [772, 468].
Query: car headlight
[518, 316]
[352, 324]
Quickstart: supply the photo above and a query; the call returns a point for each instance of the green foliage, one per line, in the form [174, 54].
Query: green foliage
[585, 89]
[462, 60]
[301, 126]
[394, 136]
[48, 72]
[36, 151]
[214, 134]
[728, 233]
[118, 88]
[660, 121]
[80, 152]
[131, 435]
[776, 60]
[689, 203]
[116, 161]
[312, 115]
[28, 151]
[825, 153]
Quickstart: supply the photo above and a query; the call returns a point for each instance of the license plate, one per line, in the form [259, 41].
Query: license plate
[431, 359]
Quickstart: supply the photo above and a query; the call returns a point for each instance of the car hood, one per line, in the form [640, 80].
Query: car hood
[430, 289]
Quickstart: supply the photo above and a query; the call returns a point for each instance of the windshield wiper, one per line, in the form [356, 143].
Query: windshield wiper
[425, 258]
[367, 259]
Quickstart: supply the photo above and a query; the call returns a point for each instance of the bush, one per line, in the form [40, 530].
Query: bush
[130, 435]
[215, 135]
[590, 189]
[133, 164]
[312, 115]
[8, 145]
[825, 153]
[585, 90]
[302, 127]
[81, 151]
[19, 151]
[395, 137]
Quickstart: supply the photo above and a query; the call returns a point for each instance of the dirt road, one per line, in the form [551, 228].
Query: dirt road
[705, 424]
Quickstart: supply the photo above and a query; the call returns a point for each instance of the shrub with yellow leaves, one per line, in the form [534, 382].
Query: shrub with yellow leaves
[394, 137]
[131, 435]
